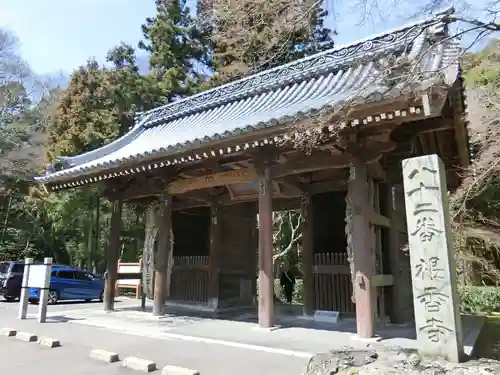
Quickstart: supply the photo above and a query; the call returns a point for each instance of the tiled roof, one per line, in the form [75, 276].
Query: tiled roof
[276, 96]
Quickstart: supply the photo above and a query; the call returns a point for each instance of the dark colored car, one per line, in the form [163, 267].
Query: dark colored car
[71, 283]
[11, 279]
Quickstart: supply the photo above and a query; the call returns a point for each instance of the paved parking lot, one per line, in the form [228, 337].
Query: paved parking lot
[21, 358]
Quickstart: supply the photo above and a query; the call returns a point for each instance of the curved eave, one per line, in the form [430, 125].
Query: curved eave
[231, 147]
[169, 135]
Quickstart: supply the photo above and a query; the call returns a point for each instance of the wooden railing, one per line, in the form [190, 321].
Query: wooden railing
[190, 279]
[332, 283]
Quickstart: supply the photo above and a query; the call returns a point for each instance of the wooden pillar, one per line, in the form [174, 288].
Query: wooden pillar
[163, 252]
[401, 308]
[307, 253]
[112, 255]
[215, 243]
[363, 255]
[266, 276]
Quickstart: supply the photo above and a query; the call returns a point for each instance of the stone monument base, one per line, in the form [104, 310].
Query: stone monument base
[393, 361]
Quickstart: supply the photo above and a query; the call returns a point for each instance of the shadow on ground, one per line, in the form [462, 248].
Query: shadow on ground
[488, 345]
[286, 317]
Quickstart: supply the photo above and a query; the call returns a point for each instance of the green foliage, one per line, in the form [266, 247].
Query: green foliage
[98, 106]
[479, 300]
[483, 68]
[177, 48]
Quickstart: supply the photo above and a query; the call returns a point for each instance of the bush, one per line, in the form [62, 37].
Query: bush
[479, 299]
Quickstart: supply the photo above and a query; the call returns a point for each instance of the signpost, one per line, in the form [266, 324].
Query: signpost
[433, 269]
[36, 276]
[23, 301]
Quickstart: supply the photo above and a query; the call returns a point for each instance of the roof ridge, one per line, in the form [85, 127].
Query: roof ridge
[291, 72]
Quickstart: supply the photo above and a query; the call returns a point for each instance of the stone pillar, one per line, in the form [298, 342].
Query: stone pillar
[163, 254]
[433, 268]
[363, 255]
[307, 253]
[112, 255]
[266, 275]
[215, 243]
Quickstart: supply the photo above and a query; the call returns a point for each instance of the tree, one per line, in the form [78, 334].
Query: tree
[177, 49]
[99, 103]
[98, 106]
[250, 36]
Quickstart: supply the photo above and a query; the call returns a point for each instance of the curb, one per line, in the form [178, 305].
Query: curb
[104, 355]
[26, 336]
[139, 364]
[8, 332]
[174, 370]
[49, 342]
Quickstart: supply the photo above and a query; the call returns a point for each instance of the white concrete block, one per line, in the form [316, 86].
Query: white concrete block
[174, 370]
[8, 332]
[26, 336]
[49, 342]
[104, 355]
[139, 364]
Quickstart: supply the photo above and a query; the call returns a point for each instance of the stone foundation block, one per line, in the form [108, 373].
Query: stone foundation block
[26, 336]
[139, 364]
[49, 342]
[174, 370]
[104, 355]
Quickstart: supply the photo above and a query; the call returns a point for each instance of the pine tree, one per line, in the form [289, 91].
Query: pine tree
[252, 35]
[177, 48]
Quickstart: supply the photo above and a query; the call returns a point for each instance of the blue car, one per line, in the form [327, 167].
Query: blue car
[70, 283]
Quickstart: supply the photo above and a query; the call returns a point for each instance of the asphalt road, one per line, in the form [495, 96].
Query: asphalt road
[21, 358]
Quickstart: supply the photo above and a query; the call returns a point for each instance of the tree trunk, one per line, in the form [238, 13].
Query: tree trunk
[6, 219]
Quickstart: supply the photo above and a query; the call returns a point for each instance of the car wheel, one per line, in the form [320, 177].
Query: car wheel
[9, 298]
[101, 296]
[33, 301]
[53, 297]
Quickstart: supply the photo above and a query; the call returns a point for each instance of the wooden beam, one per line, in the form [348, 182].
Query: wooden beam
[215, 242]
[379, 220]
[326, 186]
[364, 259]
[238, 176]
[460, 128]
[410, 130]
[296, 165]
[163, 254]
[424, 141]
[291, 184]
[383, 280]
[307, 248]
[376, 171]
[112, 256]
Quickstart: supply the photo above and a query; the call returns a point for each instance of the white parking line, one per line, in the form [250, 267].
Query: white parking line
[165, 335]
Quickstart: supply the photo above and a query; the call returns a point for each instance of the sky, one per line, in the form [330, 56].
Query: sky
[59, 35]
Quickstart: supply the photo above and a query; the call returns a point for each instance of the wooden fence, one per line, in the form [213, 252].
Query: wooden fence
[332, 283]
[189, 281]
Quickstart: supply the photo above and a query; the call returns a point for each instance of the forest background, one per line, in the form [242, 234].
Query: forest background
[189, 51]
